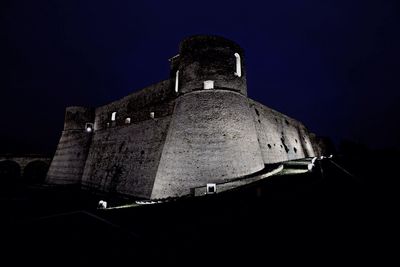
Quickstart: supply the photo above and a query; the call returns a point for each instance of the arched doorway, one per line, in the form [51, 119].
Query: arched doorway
[35, 172]
[10, 171]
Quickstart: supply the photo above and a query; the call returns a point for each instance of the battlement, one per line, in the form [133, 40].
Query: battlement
[208, 62]
[154, 101]
[203, 63]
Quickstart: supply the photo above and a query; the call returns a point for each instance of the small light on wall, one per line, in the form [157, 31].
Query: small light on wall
[113, 116]
[127, 120]
[209, 84]
[89, 127]
[152, 115]
[211, 189]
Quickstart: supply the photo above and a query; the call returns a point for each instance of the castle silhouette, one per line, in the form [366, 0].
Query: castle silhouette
[196, 128]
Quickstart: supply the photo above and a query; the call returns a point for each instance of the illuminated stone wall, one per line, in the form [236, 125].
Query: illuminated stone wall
[281, 138]
[212, 139]
[203, 58]
[179, 134]
[124, 159]
[69, 159]
[157, 98]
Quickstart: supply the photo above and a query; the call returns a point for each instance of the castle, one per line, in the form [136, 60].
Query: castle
[195, 128]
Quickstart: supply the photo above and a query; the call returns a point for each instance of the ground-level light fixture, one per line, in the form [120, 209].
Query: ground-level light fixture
[211, 189]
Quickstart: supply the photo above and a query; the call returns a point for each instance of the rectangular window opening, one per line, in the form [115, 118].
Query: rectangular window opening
[113, 116]
[209, 84]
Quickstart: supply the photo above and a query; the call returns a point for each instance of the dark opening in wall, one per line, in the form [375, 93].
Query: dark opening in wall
[116, 173]
[121, 146]
[269, 146]
[35, 172]
[295, 140]
[287, 122]
[142, 152]
[258, 113]
[283, 143]
[295, 150]
[259, 121]
[10, 171]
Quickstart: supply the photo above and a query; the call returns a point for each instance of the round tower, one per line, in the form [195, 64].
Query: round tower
[212, 138]
[209, 62]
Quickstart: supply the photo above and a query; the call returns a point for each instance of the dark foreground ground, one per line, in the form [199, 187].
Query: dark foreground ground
[320, 218]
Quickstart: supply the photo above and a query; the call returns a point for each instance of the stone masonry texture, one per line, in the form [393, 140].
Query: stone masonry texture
[161, 142]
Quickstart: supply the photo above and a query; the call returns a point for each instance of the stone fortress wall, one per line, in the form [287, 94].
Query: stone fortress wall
[198, 127]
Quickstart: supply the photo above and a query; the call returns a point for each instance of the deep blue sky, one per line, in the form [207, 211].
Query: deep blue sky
[334, 65]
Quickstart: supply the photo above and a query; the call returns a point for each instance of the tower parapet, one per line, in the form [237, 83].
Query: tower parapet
[209, 62]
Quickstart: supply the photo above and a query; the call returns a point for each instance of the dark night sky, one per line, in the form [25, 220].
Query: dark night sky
[334, 65]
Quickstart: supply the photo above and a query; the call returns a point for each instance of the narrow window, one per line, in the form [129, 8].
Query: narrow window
[89, 127]
[113, 115]
[176, 81]
[238, 66]
[152, 115]
[208, 84]
[127, 120]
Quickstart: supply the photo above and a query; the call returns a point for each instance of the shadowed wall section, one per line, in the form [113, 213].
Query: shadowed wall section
[212, 139]
[281, 138]
[69, 160]
[10, 171]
